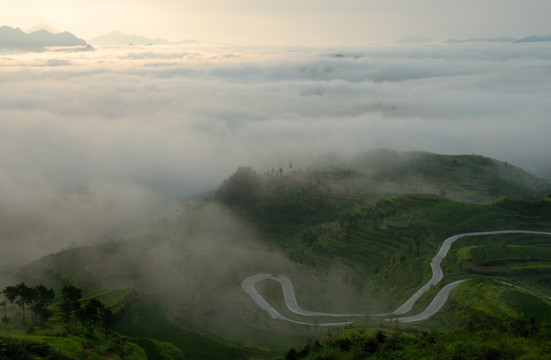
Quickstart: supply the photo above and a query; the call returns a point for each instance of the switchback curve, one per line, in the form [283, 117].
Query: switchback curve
[432, 308]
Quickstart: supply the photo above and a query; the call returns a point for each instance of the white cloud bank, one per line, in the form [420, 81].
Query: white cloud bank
[98, 144]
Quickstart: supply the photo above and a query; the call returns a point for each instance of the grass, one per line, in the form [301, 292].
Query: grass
[533, 308]
[44, 346]
[395, 344]
[117, 299]
[155, 350]
[479, 256]
[516, 258]
[373, 254]
[146, 318]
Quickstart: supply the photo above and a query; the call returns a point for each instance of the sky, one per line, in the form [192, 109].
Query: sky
[286, 22]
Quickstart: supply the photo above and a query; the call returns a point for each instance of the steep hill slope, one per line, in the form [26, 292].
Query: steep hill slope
[347, 247]
[469, 178]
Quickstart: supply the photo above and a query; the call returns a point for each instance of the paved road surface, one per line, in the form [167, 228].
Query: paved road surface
[248, 286]
[434, 306]
[437, 273]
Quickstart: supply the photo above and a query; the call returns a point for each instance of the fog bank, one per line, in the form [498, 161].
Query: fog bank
[99, 144]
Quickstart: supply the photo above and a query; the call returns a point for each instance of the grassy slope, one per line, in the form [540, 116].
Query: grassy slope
[344, 239]
[195, 285]
[146, 318]
[381, 248]
[470, 178]
[362, 344]
[45, 344]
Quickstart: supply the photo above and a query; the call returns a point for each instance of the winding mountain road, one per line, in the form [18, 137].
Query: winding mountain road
[436, 304]
[290, 301]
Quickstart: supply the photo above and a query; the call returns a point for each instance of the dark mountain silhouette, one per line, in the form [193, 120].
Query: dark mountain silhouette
[502, 39]
[16, 39]
[535, 38]
[505, 39]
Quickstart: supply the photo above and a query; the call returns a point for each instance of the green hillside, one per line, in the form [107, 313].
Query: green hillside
[467, 178]
[380, 246]
[351, 239]
[396, 344]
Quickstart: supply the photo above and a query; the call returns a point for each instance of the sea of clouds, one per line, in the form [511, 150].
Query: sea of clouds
[96, 145]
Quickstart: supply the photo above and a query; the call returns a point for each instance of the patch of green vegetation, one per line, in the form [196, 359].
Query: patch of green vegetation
[96, 347]
[117, 299]
[472, 178]
[532, 308]
[478, 254]
[463, 254]
[532, 267]
[156, 350]
[360, 344]
[146, 318]
[13, 348]
[481, 295]
[514, 258]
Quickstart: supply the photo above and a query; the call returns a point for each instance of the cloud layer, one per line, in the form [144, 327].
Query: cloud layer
[99, 144]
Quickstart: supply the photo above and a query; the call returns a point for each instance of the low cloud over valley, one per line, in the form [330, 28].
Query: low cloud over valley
[97, 145]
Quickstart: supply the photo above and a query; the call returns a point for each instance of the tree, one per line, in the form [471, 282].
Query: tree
[20, 294]
[106, 317]
[26, 297]
[43, 297]
[10, 293]
[240, 186]
[5, 319]
[69, 304]
[95, 313]
[291, 354]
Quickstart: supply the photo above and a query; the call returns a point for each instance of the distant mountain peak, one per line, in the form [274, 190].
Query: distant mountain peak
[505, 39]
[501, 39]
[39, 40]
[535, 38]
[120, 38]
[42, 26]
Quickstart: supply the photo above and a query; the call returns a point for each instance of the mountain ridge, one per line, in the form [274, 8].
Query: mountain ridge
[121, 38]
[39, 40]
[503, 39]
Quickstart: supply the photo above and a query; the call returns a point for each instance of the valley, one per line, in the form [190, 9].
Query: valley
[278, 260]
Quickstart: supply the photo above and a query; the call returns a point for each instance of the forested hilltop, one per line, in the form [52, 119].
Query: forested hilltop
[353, 236]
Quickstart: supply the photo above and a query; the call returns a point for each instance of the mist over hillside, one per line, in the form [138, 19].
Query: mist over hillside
[109, 141]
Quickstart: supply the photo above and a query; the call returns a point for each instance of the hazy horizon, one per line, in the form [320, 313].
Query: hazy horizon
[283, 23]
